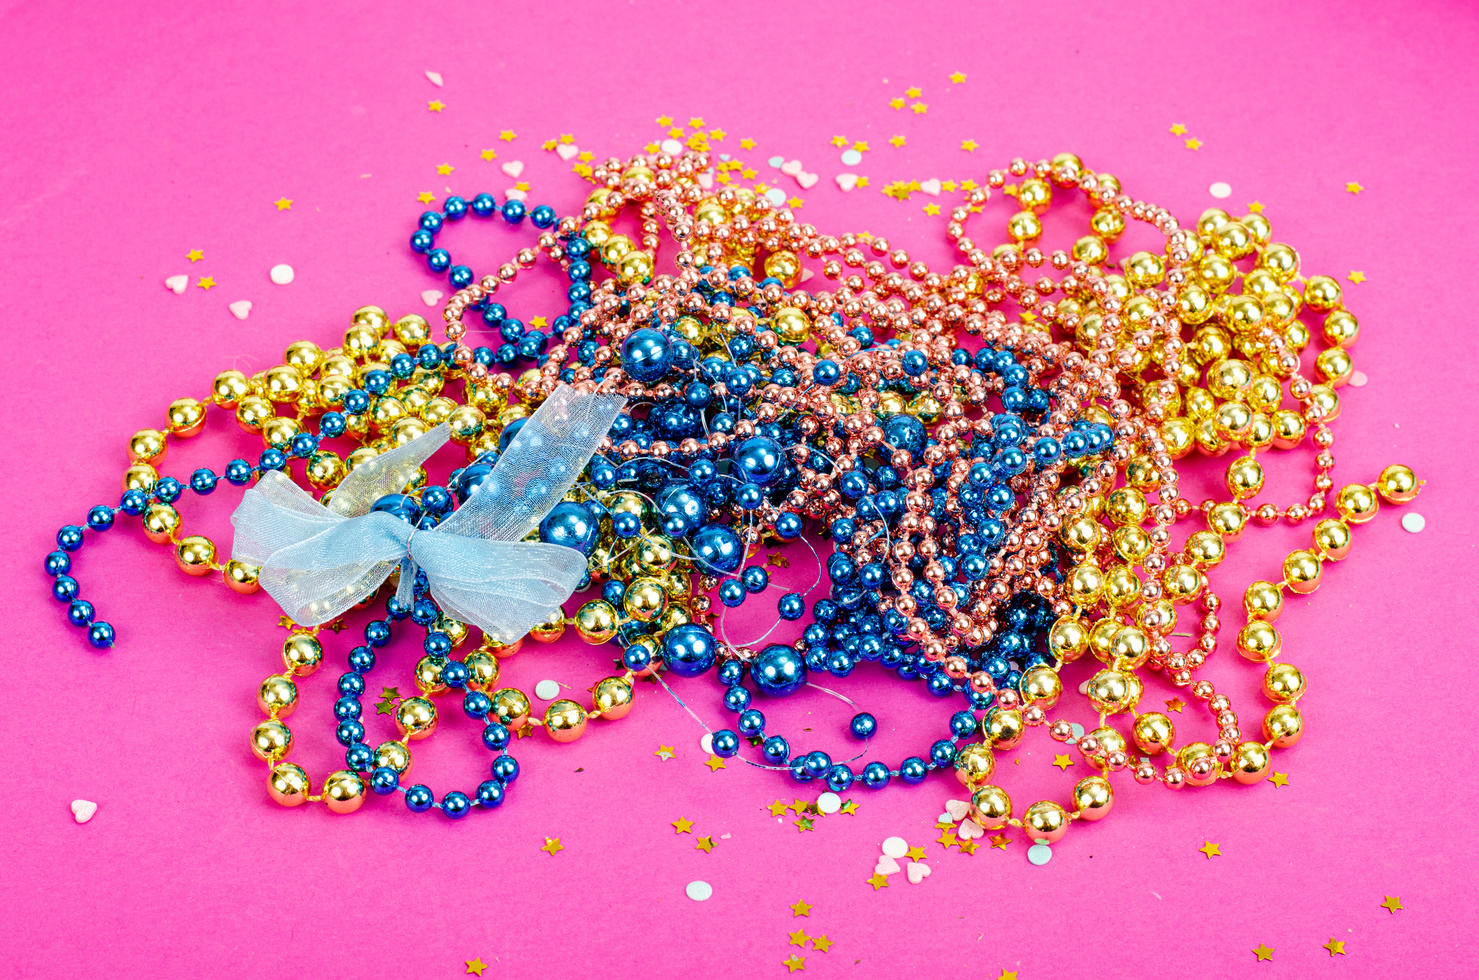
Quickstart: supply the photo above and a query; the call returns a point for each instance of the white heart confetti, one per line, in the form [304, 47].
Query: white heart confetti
[240, 308]
[547, 690]
[847, 181]
[671, 147]
[1039, 853]
[958, 809]
[282, 274]
[82, 810]
[514, 194]
[791, 168]
[885, 866]
[777, 161]
[435, 77]
[806, 274]
[177, 284]
[851, 158]
[567, 151]
[932, 187]
[895, 847]
[430, 296]
[706, 180]
[970, 830]
[807, 181]
[513, 168]
[1414, 522]
[918, 871]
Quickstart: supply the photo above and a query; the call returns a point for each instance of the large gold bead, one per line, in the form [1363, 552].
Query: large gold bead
[645, 600]
[1045, 821]
[1121, 585]
[302, 654]
[1356, 503]
[1042, 684]
[1131, 543]
[288, 784]
[428, 675]
[500, 650]
[1283, 683]
[1144, 269]
[1250, 762]
[482, 670]
[565, 720]
[1244, 478]
[1127, 506]
[655, 553]
[1289, 429]
[278, 432]
[278, 696]
[1024, 226]
[1003, 727]
[1303, 571]
[613, 697]
[344, 791]
[550, 630]
[1205, 549]
[393, 755]
[1068, 639]
[596, 621]
[1085, 583]
[416, 718]
[253, 412]
[1332, 539]
[140, 476]
[511, 707]
[465, 424]
[147, 446]
[991, 807]
[1130, 648]
[1154, 733]
[1101, 638]
[974, 764]
[1259, 641]
[1397, 484]
[1199, 763]
[412, 330]
[1109, 690]
[228, 388]
[1183, 583]
[271, 740]
[1283, 725]
[326, 469]
[282, 384]
[196, 555]
[186, 417]
[1263, 600]
[1093, 798]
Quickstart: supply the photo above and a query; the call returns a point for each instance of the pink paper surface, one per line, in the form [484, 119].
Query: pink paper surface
[136, 132]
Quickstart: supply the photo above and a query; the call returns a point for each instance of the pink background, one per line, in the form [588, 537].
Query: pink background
[137, 132]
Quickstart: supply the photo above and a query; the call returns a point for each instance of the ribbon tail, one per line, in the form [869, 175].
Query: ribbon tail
[405, 592]
[503, 587]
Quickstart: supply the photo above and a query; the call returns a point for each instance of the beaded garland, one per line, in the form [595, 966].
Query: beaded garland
[1000, 492]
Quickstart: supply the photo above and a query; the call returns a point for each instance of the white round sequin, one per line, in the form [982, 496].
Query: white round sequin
[1414, 522]
[547, 690]
[851, 158]
[1358, 379]
[282, 273]
[672, 147]
[776, 195]
[707, 743]
[699, 891]
[1078, 730]
[895, 847]
[1039, 854]
[1220, 190]
[829, 803]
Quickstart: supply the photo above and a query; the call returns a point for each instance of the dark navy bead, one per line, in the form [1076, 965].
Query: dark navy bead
[168, 489]
[495, 737]
[203, 481]
[913, 770]
[362, 660]
[351, 685]
[736, 699]
[725, 743]
[636, 658]
[476, 704]
[134, 502]
[100, 635]
[69, 538]
[438, 259]
[798, 770]
[863, 726]
[730, 672]
[271, 460]
[384, 781]
[731, 593]
[303, 445]
[505, 768]
[490, 794]
[419, 798]
[543, 216]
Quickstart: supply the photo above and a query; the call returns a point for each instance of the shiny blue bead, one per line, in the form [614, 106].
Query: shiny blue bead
[80, 613]
[913, 770]
[476, 704]
[438, 259]
[384, 781]
[362, 660]
[915, 363]
[168, 489]
[454, 208]
[798, 770]
[791, 606]
[100, 635]
[483, 205]
[778, 671]
[436, 500]
[238, 472]
[646, 355]
[962, 724]
[377, 633]
[636, 658]
[543, 216]
[513, 211]
[725, 743]
[398, 505]
[431, 221]
[349, 732]
[570, 525]
[760, 461]
[689, 650]
[788, 526]
[459, 276]
[456, 804]
[817, 763]
[490, 794]
[203, 481]
[100, 518]
[826, 372]
[437, 644]
[455, 674]
[775, 750]
[69, 538]
[495, 737]
[422, 240]
[505, 768]
[863, 726]
[840, 664]
[613, 592]
[58, 563]
[134, 502]
[940, 685]
[359, 757]
[65, 588]
[942, 753]
[755, 578]
[271, 460]
[731, 593]
[419, 798]
[730, 672]
[751, 722]
[304, 445]
[347, 709]
[626, 524]
[736, 698]
[839, 778]
[351, 685]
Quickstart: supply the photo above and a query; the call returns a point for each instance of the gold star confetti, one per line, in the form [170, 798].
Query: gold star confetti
[717, 134]
[1001, 841]
[777, 560]
[1210, 849]
[860, 145]
[896, 140]
[489, 154]
[849, 807]
[800, 908]
[538, 322]
[862, 181]
[897, 103]
[821, 943]
[967, 185]
[697, 122]
[585, 157]
[803, 825]
[476, 965]
[1062, 762]
[915, 854]
[777, 808]
[958, 77]
[206, 282]
[522, 185]
[794, 963]
[552, 844]
[549, 145]
[567, 138]
[426, 197]
[283, 203]
[705, 844]
[913, 93]
[336, 627]
[919, 108]
[1177, 129]
[794, 202]
[931, 209]
[286, 623]
[682, 825]
[508, 135]
[878, 881]
[1354, 187]
[676, 132]
[1392, 904]
[583, 170]
[1255, 208]
[943, 825]
[436, 105]
[714, 763]
[445, 168]
[968, 846]
[1176, 704]
[747, 144]
[526, 731]
[1006, 975]
[195, 255]
[969, 145]
[664, 121]
[948, 838]
[1193, 144]
[1335, 946]
[748, 173]
[665, 752]
[1357, 277]
[1263, 953]
[798, 938]
[839, 141]
[799, 807]
[652, 148]
[1279, 779]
